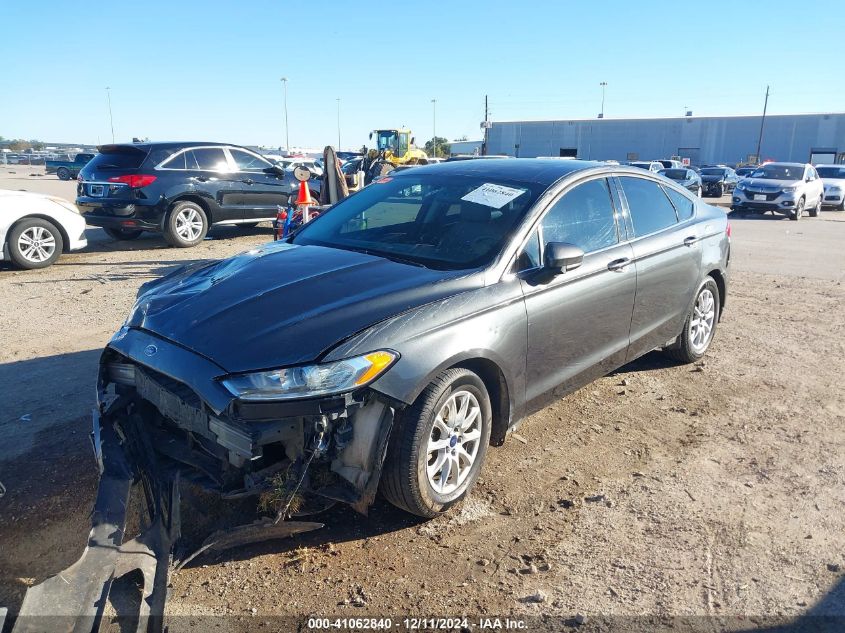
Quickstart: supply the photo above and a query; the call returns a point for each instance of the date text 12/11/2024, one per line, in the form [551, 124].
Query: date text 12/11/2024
[417, 624]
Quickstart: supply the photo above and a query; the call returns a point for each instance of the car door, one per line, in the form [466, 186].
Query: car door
[261, 190]
[578, 321]
[667, 253]
[210, 172]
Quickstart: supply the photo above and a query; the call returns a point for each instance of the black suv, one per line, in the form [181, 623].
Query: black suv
[179, 189]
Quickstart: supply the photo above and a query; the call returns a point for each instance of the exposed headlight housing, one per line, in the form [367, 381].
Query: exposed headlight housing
[311, 380]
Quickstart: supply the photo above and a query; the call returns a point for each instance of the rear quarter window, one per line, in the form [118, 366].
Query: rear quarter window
[683, 205]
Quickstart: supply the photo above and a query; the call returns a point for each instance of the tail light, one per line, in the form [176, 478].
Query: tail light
[136, 181]
[728, 230]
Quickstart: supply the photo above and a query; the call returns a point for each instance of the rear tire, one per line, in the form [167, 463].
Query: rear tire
[123, 235]
[63, 173]
[34, 243]
[700, 325]
[186, 225]
[438, 445]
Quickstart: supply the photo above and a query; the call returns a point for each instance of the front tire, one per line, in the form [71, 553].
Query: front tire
[814, 212]
[34, 243]
[186, 225]
[63, 173]
[123, 234]
[799, 210]
[700, 325]
[438, 445]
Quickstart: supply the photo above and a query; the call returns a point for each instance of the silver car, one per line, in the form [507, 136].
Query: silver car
[833, 179]
[785, 188]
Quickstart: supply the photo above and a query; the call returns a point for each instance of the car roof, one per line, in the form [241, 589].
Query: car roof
[537, 170]
[146, 147]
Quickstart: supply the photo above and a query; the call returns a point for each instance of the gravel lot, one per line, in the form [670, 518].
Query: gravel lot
[659, 491]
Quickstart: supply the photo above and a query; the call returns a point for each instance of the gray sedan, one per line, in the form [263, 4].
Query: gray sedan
[397, 336]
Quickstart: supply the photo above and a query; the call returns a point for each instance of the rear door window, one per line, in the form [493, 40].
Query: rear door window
[208, 159]
[177, 162]
[651, 210]
[584, 216]
[248, 162]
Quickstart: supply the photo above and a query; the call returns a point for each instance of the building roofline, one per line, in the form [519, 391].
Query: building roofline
[674, 118]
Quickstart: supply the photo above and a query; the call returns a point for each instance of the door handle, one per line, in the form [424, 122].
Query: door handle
[690, 240]
[618, 265]
[248, 181]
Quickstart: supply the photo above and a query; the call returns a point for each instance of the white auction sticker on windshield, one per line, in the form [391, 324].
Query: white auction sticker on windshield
[491, 195]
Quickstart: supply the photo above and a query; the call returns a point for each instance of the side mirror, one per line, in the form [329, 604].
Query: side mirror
[371, 136]
[413, 140]
[560, 257]
[276, 170]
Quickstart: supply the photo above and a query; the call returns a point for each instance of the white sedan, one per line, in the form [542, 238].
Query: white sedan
[35, 229]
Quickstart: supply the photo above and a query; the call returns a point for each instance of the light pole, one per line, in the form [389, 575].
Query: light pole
[287, 138]
[338, 123]
[603, 86]
[111, 119]
[762, 123]
[434, 126]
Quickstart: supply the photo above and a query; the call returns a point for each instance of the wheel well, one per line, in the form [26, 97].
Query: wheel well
[197, 200]
[497, 387]
[46, 218]
[722, 286]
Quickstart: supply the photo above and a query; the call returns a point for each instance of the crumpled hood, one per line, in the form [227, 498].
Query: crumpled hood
[283, 304]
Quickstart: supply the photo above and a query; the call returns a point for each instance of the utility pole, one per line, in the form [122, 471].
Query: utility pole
[762, 122]
[603, 86]
[287, 137]
[111, 119]
[434, 125]
[486, 123]
[338, 123]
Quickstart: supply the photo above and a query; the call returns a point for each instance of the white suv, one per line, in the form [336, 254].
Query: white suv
[833, 177]
[787, 188]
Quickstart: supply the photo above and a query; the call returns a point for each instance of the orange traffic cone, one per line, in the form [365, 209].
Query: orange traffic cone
[304, 194]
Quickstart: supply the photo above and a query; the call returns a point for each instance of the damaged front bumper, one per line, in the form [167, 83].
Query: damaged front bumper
[163, 421]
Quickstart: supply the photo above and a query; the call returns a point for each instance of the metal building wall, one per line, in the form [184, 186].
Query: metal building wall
[703, 139]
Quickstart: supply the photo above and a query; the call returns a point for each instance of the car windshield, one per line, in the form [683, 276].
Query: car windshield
[831, 172]
[712, 172]
[780, 172]
[675, 174]
[449, 222]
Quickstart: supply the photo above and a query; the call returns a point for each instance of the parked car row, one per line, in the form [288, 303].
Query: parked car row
[181, 190]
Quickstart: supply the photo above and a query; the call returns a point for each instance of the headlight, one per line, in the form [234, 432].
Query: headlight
[740, 186]
[312, 380]
[790, 189]
[835, 189]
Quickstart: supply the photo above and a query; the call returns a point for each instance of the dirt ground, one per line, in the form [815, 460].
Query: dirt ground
[658, 491]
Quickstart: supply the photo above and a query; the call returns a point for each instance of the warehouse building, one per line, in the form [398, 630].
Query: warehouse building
[819, 138]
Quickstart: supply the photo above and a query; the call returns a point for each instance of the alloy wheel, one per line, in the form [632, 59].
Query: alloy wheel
[188, 224]
[703, 318]
[453, 443]
[36, 244]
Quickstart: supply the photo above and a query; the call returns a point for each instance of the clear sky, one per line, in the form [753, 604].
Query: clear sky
[210, 70]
